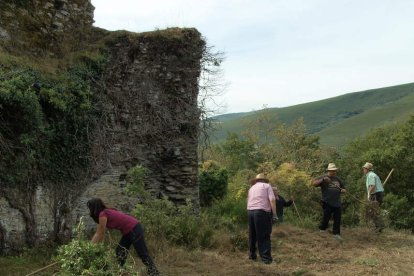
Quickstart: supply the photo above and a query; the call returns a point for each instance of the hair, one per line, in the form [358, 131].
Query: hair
[95, 205]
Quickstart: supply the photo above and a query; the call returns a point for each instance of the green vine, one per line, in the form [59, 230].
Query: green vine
[46, 122]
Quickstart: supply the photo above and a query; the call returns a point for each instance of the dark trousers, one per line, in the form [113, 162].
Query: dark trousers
[136, 238]
[328, 211]
[378, 197]
[260, 228]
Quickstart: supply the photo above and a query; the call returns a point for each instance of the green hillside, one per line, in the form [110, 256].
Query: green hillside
[338, 119]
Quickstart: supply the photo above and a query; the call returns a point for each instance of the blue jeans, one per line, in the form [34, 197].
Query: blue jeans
[260, 228]
[136, 238]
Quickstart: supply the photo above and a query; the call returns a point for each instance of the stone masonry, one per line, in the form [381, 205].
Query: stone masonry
[147, 98]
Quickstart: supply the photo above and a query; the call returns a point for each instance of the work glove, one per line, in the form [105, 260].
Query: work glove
[275, 219]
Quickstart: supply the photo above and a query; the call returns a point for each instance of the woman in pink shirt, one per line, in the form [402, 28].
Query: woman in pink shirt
[261, 210]
[131, 229]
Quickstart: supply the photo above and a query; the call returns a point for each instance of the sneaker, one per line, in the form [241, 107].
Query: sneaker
[338, 237]
[322, 231]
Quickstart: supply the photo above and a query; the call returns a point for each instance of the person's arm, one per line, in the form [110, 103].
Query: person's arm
[272, 200]
[318, 181]
[342, 186]
[273, 205]
[371, 185]
[371, 190]
[100, 230]
[288, 203]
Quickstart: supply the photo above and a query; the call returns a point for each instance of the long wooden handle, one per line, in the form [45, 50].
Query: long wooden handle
[294, 205]
[386, 179]
[43, 268]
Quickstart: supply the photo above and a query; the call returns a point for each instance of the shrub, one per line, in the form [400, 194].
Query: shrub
[213, 184]
[294, 183]
[178, 225]
[239, 184]
[228, 211]
[135, 181]
[399, 212]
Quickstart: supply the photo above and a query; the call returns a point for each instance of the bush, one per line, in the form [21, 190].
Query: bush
[399, 212]
[229, 211]
[239, 184]
[178, 225]
[294, 183]
[213, 183]
[135, 181]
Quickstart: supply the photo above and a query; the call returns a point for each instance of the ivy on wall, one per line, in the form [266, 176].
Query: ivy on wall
[45, 122]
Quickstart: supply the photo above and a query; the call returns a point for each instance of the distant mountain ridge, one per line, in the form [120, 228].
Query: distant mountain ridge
[336, 120]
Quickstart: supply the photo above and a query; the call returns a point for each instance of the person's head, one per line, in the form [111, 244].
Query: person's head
[331, 169]
[259, 178]
[95, 205]
[367, 167]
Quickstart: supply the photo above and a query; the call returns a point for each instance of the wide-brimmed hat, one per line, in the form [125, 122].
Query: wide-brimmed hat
[331, 167]
[260, 177]
[368, 166]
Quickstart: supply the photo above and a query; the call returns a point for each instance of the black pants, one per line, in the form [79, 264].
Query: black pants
[377, 197]
[136, 238]
[260, 228]
[328, 211]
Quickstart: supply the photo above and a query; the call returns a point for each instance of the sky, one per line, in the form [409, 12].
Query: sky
[281, 53]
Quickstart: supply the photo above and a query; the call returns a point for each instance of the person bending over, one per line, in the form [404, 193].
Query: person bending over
[129, 226]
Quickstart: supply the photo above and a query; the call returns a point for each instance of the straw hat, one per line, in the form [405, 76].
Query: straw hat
[260, 177]
[368, 166]
[331, 167]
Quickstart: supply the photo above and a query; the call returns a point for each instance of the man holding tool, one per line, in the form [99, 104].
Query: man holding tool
[331, 188]
[375, 194]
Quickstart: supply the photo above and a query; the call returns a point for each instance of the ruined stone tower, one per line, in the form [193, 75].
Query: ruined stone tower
[146, 101]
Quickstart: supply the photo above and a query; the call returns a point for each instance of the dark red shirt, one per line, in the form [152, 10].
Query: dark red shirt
[118, 220]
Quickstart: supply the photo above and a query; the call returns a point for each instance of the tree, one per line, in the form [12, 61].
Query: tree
[239, 153]
[294, 144]
[210, 86]
[387, 148]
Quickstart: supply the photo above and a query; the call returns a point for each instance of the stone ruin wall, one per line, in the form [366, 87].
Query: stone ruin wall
[37, 25]
[148, 100]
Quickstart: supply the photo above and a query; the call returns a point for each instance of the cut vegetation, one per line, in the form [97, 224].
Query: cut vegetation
[297, 251]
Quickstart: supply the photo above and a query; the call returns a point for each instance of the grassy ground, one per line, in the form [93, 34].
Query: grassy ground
[296, 251]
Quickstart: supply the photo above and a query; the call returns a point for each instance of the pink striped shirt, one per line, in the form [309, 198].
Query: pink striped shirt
[259, 197]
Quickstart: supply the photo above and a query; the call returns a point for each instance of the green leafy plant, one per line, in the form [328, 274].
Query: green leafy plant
[135, 181]
[81, 257]
[46, 121]
[213, 183]
[180, 225]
